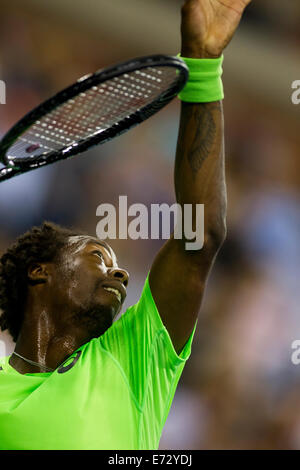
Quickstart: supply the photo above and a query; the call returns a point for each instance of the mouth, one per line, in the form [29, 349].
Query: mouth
[114, 291]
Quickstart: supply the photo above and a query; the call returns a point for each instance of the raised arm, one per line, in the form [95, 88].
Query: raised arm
[178, 276]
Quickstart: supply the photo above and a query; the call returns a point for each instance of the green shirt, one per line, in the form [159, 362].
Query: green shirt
[114, 392]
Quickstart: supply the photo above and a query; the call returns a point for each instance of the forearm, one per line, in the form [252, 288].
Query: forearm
[207, 27]
[200, 166]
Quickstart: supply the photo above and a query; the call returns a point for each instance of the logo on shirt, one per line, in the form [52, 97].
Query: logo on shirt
[67, 365]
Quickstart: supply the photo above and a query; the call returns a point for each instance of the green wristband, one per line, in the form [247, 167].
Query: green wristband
[205, 81]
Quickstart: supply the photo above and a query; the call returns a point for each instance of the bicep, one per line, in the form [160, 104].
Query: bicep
[177, 281]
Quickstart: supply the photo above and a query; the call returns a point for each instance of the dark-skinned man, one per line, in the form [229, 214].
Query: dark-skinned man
[77, 379]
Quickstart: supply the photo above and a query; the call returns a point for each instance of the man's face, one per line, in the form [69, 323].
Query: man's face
[91, 284]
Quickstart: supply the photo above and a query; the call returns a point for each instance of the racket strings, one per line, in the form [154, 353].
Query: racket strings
[93, 111]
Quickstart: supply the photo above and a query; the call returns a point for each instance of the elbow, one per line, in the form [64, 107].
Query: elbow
[208, 238]
[215, 227]
[216, 236]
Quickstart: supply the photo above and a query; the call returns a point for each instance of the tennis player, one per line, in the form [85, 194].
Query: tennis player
[77, 379]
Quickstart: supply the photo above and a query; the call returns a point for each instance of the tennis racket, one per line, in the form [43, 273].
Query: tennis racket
[94, 110]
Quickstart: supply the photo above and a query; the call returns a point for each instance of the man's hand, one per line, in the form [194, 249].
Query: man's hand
[207, 26]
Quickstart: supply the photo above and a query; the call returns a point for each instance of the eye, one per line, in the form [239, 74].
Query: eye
[99, 254]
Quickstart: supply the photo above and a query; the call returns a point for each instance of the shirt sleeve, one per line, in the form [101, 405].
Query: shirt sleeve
[142, 346]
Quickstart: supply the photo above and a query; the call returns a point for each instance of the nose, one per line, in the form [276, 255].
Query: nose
[120, 274]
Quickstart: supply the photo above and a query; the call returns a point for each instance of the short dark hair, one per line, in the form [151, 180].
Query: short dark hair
[40, 244]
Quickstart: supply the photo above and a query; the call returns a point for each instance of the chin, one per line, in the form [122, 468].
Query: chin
[96, 319]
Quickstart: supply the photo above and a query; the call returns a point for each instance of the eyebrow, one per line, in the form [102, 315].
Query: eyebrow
[98, 242]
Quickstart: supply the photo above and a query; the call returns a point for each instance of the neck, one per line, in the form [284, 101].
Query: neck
[46, 354]
[44, 342]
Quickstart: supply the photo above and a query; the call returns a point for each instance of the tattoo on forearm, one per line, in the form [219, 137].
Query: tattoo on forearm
[203, 139]
[198, 133]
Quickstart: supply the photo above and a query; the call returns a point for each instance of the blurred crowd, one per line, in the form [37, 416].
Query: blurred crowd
[239, 389]
[276, 17]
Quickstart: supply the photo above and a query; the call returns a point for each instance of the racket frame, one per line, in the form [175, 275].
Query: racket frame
[16, 166]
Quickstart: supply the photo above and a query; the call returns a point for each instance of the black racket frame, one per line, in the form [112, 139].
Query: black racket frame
[18, 166]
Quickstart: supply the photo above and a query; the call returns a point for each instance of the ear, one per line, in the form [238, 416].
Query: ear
[38, 273]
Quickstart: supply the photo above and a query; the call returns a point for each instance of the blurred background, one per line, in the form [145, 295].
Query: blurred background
[239, 389]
